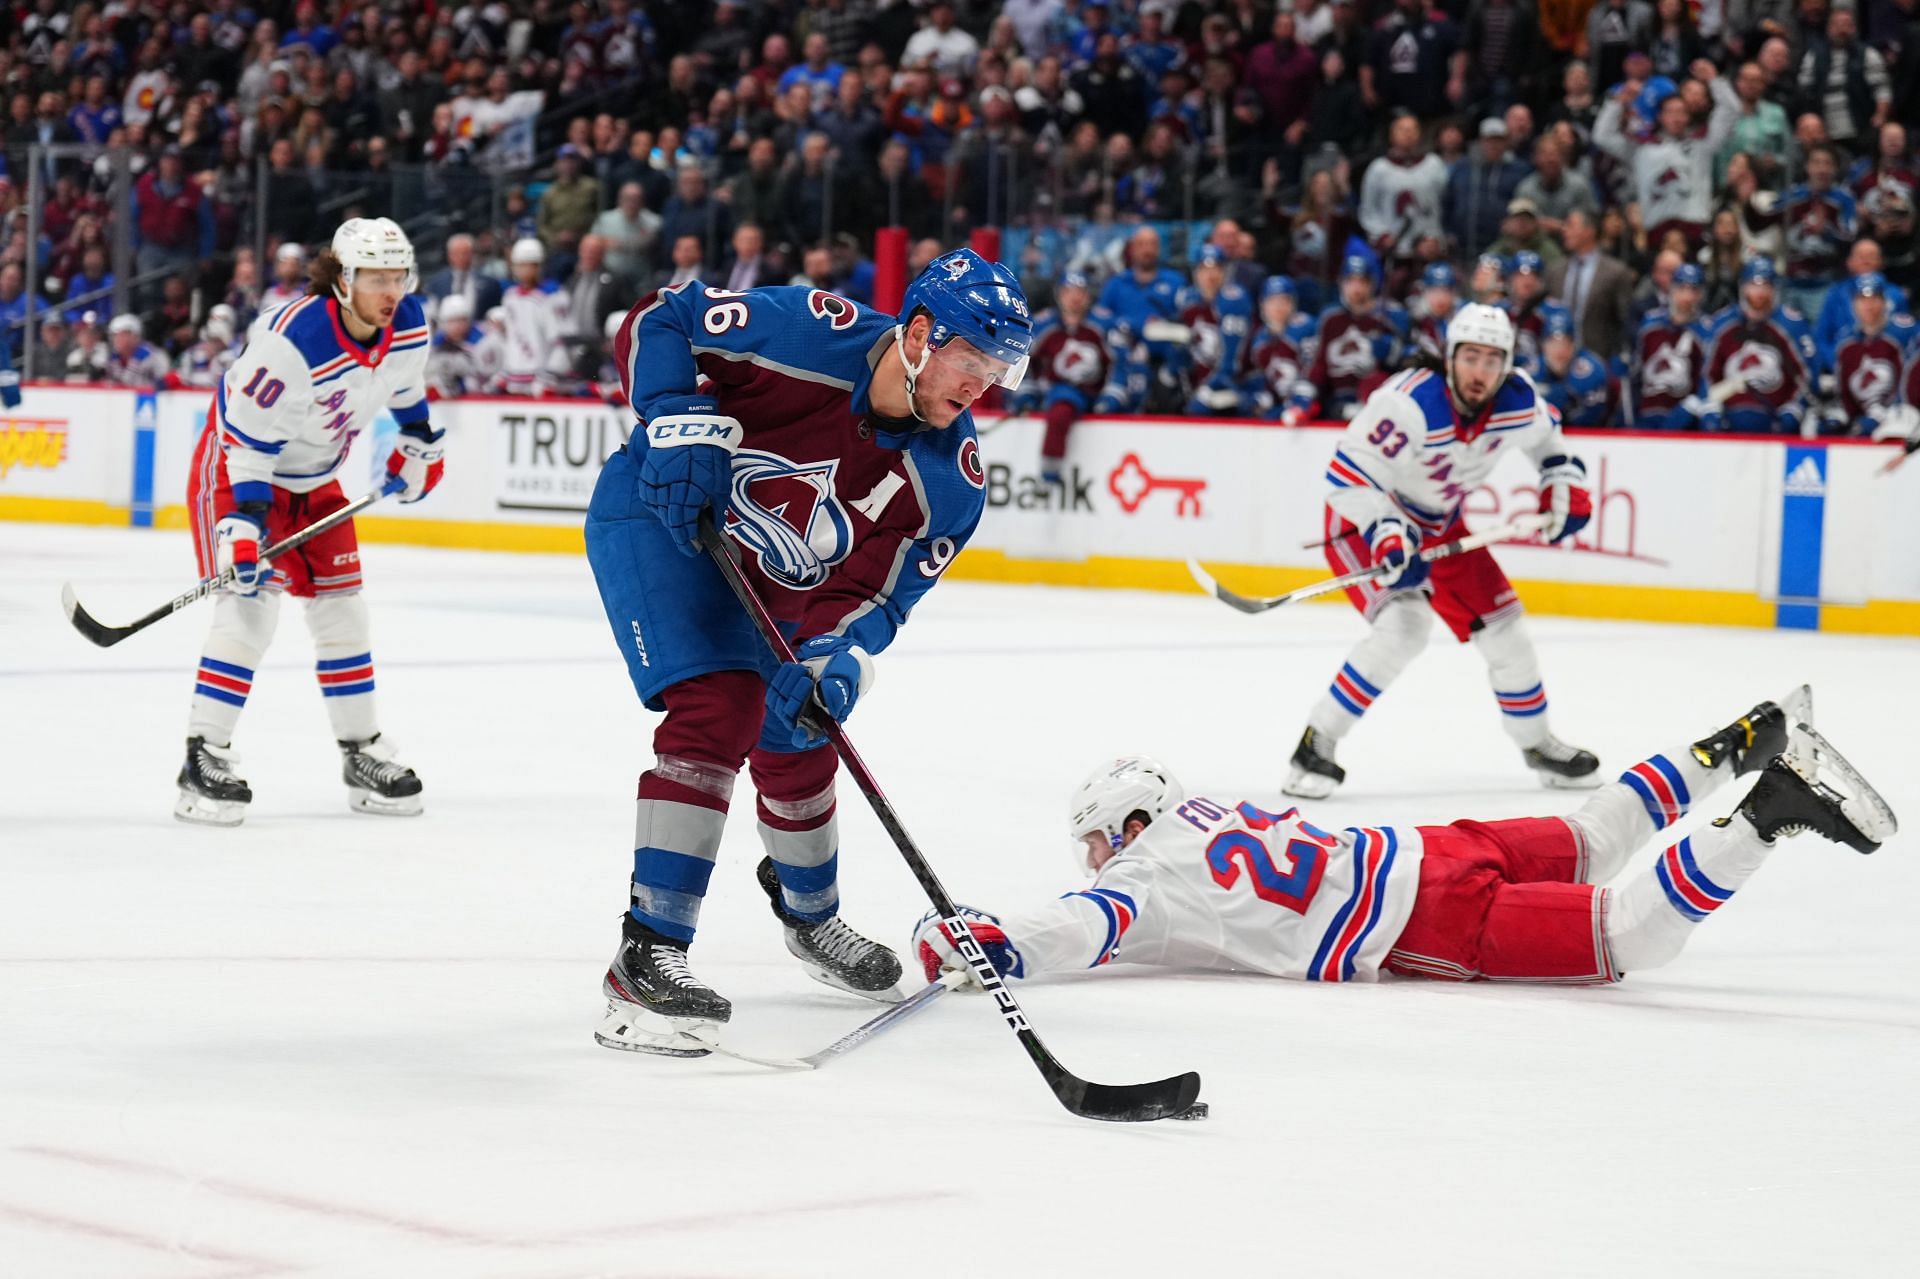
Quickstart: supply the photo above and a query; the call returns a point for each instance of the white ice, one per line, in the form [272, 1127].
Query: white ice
[332, 1044]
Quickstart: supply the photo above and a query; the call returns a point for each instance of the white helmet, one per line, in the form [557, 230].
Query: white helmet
[455, 306]
[220, 323]
[371, 244]
[125, 323]
[1114, 792]
[527, 250]
[615, 321]
[1481, 325]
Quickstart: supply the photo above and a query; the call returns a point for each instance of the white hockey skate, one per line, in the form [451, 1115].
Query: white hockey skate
[376, 780]
[212, 793]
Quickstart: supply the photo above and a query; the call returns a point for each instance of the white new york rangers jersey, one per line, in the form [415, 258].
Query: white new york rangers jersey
[1407, 452]
[535, 329]
[302, 389]
[1216, 884]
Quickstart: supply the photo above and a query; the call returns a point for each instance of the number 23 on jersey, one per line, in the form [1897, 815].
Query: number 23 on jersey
[1288, 881]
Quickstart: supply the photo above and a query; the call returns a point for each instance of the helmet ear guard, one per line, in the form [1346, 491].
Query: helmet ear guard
[966, 296]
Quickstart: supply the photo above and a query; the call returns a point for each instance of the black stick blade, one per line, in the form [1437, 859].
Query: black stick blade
[1124, 1103]
[84, 622]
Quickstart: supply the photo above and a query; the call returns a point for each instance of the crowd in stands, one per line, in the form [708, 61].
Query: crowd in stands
[1700, 213]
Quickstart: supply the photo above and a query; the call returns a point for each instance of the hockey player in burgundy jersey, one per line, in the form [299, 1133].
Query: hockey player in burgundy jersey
[1867, 363]
[1531, 309]
[835, 446]
[1439, 298]
[1218, 315]
[1082, 357]
[1398, 480]
[313, 375]
[1759, 368]
[1361, 340]
[1574, 381]
[1274, 358]
[1211, 882]
[1668, 356]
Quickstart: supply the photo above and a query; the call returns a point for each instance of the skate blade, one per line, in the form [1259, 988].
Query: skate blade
[1860, 802]
[1559, 781]
[366, 801]
[631, 1028]
[889, 995]
[1798, 708]
[202, 810]
[1305, 785]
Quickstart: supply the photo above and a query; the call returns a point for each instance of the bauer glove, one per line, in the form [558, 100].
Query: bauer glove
[1564, 499]
[830, 674]
[236, 540]
[938, 945]
[1392, 543]
[416, 462]
[688, 467]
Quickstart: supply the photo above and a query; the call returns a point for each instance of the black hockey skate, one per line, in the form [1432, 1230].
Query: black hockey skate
[1753, 740]
[377, 782]
[832, 953]
[1562, 766]
[654, 1003]
[1314, 774]
[211, 793]
[1790, 799]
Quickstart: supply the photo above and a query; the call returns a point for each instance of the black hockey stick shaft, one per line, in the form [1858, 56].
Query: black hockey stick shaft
[1119, 1102]
[107, 636]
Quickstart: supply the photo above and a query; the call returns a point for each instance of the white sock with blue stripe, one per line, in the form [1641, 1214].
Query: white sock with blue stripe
[344, 664]
[1650, 918]
[242, 628]
[1398, 634]
[1514, 671]
[1648, 798]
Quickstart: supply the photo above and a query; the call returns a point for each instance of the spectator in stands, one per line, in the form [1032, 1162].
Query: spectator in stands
[853, 124]
[1846, 79]
[816, 268]
[900, 196]
[1552, 190]
[171, 319]
[1415, 62]
[1721, 258]
[595, 291]
[1596, 288]
[692, 210]
[1112, 89]
[852, 270]
[13, 307]
[130, 361]
[87, 358]
[570, 203]
[172, 220]
[93, 277]
[1503, 40]
[947, 48]
[1480, 188]
[924, 250]
[1616, 28]
[1520, 232]
[993, 163]
[1401, 193]
[685, 263]
[1673, 171]
[817, 70]
[1284, 72]
[749, 267]
[630, 230]
[815, 193]
[755, 194]
[52, 348]
[406, 100]
[463, 277]
[1760, 131]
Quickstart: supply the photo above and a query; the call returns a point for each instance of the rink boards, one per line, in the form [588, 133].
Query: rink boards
[1740, 531]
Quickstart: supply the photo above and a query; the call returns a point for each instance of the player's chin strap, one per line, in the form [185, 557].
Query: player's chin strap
[913, 370]
[894, 432]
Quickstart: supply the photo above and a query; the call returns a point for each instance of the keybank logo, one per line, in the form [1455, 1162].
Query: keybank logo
[38, 444]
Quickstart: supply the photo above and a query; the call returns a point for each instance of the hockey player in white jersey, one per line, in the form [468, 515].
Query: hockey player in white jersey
[1212, 882]
[313, 375]
[536, 324]
[1424, 440]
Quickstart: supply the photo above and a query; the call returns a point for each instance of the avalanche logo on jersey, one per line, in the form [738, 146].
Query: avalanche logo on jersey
[1872, 382]
[1077, 363]
[787, 514]
[1758, 365]
[1207, 345]
[1350, 355]
[1670, 371]
[1282, 374]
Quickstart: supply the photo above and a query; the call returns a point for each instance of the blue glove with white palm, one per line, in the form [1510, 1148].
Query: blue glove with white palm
[829, 674]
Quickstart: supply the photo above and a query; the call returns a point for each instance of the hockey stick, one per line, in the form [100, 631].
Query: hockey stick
[1907, 450]
[1519, 527]
[893, 1016]
[107, 636]
[1124, 1103]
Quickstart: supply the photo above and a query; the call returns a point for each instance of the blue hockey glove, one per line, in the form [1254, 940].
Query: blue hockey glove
[236, 542]
[688, 467]
[937, 945]
[830, 675]
[1392, 543]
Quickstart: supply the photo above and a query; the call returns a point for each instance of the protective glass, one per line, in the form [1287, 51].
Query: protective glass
[969, 363]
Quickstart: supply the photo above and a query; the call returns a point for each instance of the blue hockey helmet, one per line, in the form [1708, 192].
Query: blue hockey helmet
[1527, 262]
[1870, 284]
[1439, 275]
[968, 297]
[1758, 270]
[1210, 255]
[1357, 264]
[1073, 280]
[1558, 324]
[1493, 260]
[1653, 94]
[1689, 276]
[1279, 286]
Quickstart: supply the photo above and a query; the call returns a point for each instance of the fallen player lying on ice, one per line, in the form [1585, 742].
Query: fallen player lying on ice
[1195, 882]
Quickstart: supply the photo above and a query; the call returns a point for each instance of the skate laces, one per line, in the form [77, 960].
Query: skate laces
[839, 942]
[375, 760]
[218, 764]
[1555, 749]
[672, 963]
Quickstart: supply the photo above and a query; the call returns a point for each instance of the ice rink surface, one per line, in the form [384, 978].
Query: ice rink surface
[332, 1044]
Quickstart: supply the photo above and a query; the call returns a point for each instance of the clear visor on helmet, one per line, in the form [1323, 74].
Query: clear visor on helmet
[972, 364]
